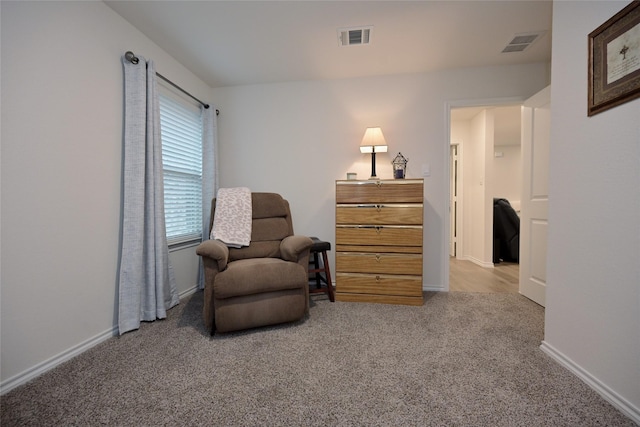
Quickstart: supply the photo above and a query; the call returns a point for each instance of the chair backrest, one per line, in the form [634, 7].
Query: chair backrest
[271, 222]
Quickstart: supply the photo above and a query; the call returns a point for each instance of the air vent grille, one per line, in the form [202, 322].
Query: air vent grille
[354, 36]
[520, 42]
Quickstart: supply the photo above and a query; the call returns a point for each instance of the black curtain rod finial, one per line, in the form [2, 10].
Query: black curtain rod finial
[129, 56]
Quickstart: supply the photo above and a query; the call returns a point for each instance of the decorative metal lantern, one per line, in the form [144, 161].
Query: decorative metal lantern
[399, 166]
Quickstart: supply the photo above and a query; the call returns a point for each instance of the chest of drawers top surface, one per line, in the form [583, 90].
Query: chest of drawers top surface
[383, 190]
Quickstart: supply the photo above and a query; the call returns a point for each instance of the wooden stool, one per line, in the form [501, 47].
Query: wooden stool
[320, 247]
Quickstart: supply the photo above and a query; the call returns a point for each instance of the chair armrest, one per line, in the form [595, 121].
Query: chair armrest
[293, 247]
[215, 250]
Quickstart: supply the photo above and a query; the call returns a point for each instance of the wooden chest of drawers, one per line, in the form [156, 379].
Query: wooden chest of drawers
[379, 241]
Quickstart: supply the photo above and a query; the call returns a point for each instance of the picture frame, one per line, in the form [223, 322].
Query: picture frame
[614, 60]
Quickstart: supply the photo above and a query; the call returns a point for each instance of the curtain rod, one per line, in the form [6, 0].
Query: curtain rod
[131, 57]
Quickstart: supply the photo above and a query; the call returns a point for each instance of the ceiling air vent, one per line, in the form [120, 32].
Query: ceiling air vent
[354, 36]
[521, 42]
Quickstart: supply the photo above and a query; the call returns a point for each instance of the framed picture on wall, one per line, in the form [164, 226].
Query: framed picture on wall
[614, 60]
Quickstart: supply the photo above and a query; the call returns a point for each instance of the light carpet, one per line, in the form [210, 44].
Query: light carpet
[461, 359]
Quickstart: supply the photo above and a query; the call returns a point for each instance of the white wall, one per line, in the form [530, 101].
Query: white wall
[474, 213]
[507, 174]
[62, 109]
[593, 274]
[298, 138]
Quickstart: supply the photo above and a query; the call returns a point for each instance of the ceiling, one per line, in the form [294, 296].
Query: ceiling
[230, 43]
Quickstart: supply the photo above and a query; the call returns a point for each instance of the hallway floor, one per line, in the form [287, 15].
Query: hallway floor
[465, 276]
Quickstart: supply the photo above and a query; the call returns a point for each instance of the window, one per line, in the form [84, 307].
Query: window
[181, 131]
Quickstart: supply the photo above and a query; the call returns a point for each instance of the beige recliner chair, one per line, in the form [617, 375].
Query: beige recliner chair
[265, 283]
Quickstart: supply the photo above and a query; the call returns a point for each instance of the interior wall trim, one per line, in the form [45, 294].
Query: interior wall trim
[39, 369]
[622, 404]
[448, 105]
[433, 288]
[70, 353]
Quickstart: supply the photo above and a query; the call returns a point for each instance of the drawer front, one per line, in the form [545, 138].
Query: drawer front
[410, 235]
[379, 263]
[380, 191]
[379, 284]
[409, 214]
[380, 249]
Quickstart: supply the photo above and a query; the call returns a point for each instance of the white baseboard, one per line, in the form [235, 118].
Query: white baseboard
[39, 369]
[622, 404]
[188, 292]
[482, 263]
[56, 360]
[476, 261]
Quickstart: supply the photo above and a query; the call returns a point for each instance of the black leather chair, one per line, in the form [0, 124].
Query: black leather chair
[506, 232]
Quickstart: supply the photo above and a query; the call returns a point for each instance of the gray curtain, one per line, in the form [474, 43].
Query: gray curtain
[146, 284]
[209, 174]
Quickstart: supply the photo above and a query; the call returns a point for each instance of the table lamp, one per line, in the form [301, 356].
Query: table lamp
[373, 142]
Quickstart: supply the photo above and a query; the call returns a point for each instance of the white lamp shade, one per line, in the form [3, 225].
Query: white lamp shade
[373, 140]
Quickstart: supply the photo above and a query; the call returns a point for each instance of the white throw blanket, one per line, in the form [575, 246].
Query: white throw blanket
[232, 219]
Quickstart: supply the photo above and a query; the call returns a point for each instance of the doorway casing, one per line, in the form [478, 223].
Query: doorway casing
[489, 102]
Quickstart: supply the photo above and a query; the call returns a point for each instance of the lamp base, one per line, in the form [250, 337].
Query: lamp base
[373, 165]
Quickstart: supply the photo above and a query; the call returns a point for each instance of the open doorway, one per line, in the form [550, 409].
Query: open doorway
[485, 164]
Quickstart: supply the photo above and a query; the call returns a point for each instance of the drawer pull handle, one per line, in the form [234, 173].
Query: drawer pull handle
[379, 184]
[378, 230]
[378, 208]
[378, 257]
[377, 278]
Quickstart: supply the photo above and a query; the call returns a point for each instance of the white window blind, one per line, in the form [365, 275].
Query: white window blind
[181, 129]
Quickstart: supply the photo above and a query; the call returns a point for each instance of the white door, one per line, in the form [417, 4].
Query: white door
[536, 120]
